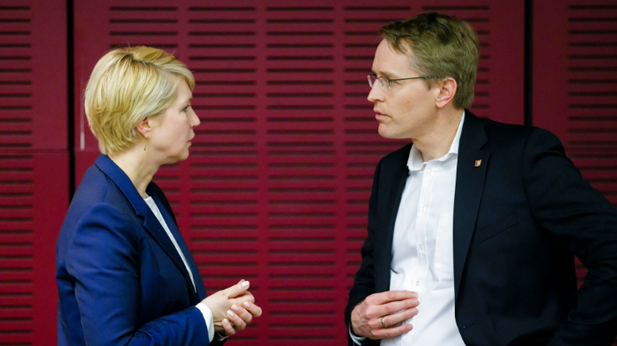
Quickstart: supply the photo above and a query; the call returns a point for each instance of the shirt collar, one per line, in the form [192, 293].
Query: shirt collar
[415, 163]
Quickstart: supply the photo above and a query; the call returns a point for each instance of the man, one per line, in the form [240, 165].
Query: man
[473, 228]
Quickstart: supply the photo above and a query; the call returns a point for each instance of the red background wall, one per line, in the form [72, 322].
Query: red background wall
[276, 188]
[34, 165]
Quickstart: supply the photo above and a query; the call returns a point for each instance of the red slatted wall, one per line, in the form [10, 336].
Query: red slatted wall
[575, 86]
[276, 188]
[33, 166]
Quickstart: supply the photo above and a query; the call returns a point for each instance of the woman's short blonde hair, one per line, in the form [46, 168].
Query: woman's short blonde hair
[126, 86]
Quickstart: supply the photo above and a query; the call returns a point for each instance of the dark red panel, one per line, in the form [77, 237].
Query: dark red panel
[33, 109]
[33, 200]
[34, 166]
[51, 200]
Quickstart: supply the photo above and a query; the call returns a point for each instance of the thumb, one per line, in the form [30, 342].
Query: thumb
[237, 289]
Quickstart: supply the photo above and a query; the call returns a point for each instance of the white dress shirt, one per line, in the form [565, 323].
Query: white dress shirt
[205, 311]
[422, 252]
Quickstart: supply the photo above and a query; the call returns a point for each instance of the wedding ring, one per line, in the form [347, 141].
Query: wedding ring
[383, 323]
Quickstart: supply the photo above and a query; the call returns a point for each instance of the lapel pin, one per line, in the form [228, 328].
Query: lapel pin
[478, 163]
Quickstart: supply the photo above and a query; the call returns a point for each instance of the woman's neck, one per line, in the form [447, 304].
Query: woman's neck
[137, 166]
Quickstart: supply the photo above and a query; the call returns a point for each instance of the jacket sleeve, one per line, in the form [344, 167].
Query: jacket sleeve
[103, 258]
[582, 220]
[364, 280]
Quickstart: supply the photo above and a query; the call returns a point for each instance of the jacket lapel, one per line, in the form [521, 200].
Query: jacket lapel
[167, 213]
[470, 177]
[391, 191]
[151, 224]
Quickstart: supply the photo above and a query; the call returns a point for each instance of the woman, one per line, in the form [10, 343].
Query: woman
[125, 275]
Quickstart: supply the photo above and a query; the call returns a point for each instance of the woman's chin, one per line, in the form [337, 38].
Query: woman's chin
[183, 156]
[171, 159]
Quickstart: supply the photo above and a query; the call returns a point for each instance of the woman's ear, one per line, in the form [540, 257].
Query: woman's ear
[145, 126]
[447, 90]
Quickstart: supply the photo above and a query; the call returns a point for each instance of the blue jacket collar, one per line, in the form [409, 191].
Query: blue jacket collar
[115, 173]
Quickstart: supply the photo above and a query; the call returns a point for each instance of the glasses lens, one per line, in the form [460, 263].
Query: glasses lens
[382, 81]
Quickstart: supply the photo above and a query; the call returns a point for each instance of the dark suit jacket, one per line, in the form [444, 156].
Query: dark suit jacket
[519, 219]
[120, 279]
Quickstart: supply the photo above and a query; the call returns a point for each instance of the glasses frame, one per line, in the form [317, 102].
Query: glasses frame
[389, 81]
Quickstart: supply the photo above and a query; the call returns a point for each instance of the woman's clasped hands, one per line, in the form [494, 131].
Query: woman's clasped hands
[232, 308]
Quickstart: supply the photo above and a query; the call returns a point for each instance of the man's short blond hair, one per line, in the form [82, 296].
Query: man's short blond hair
[442, 46]
[126, 86]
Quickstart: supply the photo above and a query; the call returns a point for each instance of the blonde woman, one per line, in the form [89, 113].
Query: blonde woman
[125, 275]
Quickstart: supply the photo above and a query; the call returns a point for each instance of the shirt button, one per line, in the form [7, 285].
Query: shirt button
[417, 283]
[421, 246]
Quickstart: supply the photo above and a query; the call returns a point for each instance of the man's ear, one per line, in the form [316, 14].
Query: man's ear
[447, 90]
[144, 127]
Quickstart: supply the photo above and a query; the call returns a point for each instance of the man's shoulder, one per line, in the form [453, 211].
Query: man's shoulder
[505, 132]
[510, 139]
[491, 125]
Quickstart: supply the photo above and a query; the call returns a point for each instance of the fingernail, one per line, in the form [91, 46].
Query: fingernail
[245, 284]
[247, 304]
[225, 321]
[234, 308]
[230, 313]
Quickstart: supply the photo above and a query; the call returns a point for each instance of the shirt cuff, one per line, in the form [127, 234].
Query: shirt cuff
[358, 340]
[205, 311]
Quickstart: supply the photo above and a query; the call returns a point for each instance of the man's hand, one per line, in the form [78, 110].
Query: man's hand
[387, 308]
[232, 308]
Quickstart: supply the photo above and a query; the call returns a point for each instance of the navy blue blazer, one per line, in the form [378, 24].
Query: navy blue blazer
[519, 220]
[120, 279]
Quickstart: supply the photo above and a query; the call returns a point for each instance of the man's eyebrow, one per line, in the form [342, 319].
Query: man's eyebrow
[384, 74]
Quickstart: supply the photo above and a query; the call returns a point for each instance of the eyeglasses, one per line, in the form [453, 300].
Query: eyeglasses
[385, 82]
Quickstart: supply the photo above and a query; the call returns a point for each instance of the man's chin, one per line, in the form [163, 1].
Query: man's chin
[385, 132]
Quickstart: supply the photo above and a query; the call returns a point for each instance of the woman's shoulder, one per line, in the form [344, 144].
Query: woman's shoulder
[99, 204]
[97, 188]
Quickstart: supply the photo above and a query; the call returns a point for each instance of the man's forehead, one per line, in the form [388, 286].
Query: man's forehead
[389, 62]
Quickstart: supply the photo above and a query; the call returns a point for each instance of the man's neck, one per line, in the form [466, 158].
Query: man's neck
[437, 141]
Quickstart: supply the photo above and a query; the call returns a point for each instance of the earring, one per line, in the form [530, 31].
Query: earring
[145, 144]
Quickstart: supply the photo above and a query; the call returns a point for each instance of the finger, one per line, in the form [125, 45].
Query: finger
[391, 296]
[252, 308]
[229, 329]
[392, 308]
[246, 316]
[246, 297]
[394, 319]
[237, 289]
[393, 331]
[236, 320]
